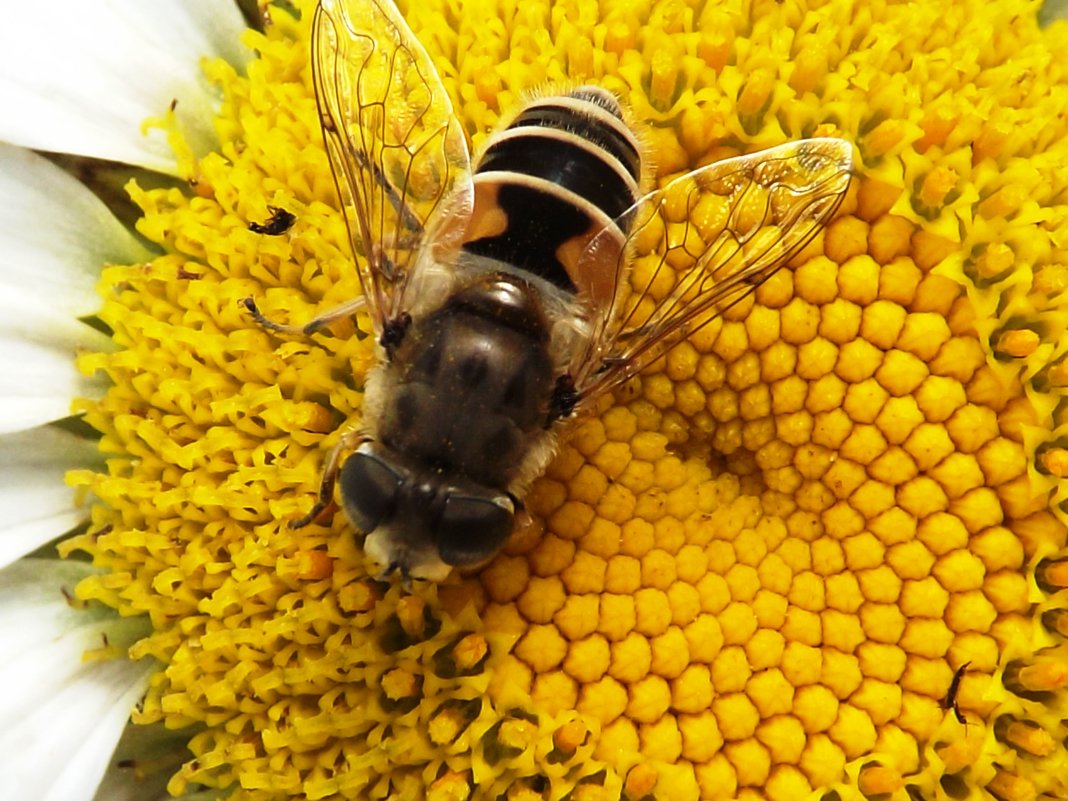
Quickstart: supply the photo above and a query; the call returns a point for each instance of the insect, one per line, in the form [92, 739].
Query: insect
[277, 224]
[950, 700]
[509, 293]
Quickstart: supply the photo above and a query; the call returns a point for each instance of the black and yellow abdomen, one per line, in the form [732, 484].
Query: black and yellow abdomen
[566, 169]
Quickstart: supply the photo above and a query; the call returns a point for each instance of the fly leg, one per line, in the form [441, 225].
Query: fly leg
[404, 237]
[326, 506]
[332, 316]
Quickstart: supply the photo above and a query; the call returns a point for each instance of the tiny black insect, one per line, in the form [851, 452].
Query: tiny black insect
[278, 223]
[950, 701]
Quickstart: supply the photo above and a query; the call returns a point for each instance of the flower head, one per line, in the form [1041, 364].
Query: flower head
[794, 556]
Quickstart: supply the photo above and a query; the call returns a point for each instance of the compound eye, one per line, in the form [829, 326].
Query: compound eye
[472, 528]
[369, 488]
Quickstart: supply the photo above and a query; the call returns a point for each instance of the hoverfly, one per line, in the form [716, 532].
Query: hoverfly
[504, 293]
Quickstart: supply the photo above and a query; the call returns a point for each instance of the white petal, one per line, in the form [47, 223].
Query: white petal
[81, 77]
[60, 716]
[55, 236]
[37, 383]
[35, 505]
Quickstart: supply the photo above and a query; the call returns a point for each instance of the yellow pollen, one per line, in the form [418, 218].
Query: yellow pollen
[451, 786]
[938, 183]
[1018, 344]
[1055, 461]
[886, 136]
[1004, 202]
[995, 260]
[879, 780]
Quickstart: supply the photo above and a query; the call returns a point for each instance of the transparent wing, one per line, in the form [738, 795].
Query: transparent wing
[702, 243]
[398, 155]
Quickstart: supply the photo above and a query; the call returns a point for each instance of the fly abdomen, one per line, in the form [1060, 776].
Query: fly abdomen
[592, 114]
[565, 170]
[578, 169]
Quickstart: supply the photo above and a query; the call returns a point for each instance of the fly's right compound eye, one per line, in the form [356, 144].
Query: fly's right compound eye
[473, 528]
[369, 488]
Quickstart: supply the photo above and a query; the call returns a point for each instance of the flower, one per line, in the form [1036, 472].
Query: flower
[797, 556]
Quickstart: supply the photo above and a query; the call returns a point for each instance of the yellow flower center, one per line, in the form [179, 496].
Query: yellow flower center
[793, 557]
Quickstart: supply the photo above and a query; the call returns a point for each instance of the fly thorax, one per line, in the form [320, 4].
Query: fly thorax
[473, 382]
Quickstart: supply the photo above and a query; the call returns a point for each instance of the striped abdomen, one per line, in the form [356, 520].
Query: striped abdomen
[563, 171]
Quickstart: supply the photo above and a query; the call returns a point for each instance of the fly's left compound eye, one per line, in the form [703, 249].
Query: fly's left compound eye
[369, 488]
[471, 528]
